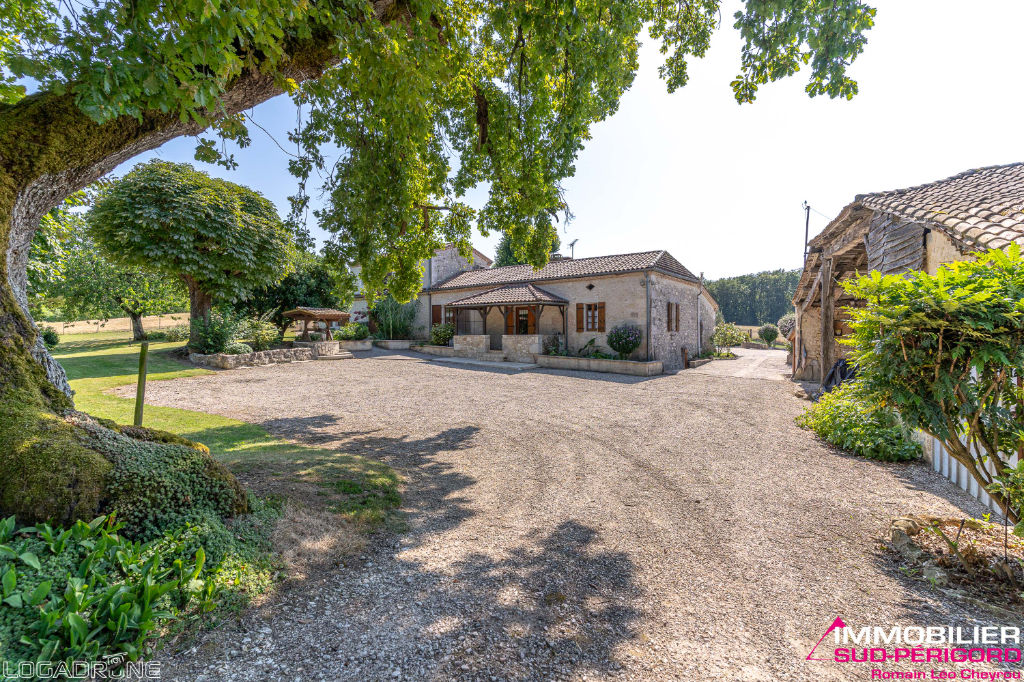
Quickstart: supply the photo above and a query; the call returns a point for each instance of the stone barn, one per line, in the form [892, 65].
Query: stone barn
[918, 228]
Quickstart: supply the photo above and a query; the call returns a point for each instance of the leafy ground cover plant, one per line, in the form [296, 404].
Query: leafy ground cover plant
[944, 350]
[88, 591]
[441, 334]
[625, 338]
[848, 419]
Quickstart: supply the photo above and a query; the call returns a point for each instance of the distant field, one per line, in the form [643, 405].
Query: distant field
[748, 330]
[117, 324]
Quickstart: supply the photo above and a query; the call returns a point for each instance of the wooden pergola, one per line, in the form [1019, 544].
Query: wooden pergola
[509, 298]
[317, 315]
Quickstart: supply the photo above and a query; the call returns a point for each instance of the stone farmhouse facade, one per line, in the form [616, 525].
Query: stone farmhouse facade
[516, 311]
[918, 228]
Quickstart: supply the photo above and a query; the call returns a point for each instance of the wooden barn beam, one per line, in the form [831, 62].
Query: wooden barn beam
[827, 318]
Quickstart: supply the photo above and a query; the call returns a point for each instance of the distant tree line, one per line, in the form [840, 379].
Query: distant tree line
[755, 299]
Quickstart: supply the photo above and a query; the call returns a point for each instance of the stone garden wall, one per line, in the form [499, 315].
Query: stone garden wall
[263, 357]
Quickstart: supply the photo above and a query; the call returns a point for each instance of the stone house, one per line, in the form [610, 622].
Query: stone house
[516, 311]
[918, 228]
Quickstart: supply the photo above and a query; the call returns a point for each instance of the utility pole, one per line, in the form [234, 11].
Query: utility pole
[807, 228]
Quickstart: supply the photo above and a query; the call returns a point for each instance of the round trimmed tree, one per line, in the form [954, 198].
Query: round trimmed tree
[221, 239]
[768, 333]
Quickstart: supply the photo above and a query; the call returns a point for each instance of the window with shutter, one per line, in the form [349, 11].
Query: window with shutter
[600, 317]
[677, 317]
[449, 315]
[579, 317]
[668, 318]
[435, 314]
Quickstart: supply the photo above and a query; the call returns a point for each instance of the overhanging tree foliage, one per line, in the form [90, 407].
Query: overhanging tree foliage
[402, 87]
[946, 351]
[221, 239]
[505, 255]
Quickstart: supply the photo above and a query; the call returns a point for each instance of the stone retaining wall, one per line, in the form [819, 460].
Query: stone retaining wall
[351, 345]
[522, 347]
[394, 344]
[263, 357]
[640, 369]
[441, 351]
[318, 347]
[471, 345]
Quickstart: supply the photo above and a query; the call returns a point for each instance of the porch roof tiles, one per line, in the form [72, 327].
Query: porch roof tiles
[510, 294]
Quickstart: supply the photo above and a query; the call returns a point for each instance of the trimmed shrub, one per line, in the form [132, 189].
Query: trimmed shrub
[442, 333]
[177, 333]
[50, 337]
[786, 324]
[768, 333]
[316, 336]
[625, 338]
[848, 419]
[237, 348]
[353, 331]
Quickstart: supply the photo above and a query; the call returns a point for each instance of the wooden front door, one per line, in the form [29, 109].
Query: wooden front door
[524, 321]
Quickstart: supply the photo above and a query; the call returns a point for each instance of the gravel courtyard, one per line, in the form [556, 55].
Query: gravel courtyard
[577, 527]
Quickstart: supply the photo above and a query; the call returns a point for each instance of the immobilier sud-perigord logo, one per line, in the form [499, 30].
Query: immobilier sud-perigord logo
[927, 653]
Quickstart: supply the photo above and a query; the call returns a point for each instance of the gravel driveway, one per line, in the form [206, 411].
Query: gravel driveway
[577, 526]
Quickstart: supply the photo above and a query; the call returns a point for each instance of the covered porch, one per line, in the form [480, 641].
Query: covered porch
[513, 319]
[317, 320]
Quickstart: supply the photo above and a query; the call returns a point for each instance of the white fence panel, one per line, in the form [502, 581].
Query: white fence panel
[956, 472]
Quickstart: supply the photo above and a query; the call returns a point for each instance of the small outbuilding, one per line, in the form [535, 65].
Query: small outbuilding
[316, 316]
[918, 228]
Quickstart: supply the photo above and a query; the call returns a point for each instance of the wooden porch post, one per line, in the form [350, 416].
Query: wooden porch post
[827, 315]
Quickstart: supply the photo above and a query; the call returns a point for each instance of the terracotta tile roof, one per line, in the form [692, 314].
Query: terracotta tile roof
[322, 313]
[568, 268]
[981, 208]
[508, 294]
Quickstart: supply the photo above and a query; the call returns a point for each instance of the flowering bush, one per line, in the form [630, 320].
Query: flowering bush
[726, 336]
[786, 324]
[625, 338]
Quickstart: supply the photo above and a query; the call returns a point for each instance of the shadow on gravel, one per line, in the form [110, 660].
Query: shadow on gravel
[556, 607]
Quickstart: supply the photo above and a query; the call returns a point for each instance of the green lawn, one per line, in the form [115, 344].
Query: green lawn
[95, 363]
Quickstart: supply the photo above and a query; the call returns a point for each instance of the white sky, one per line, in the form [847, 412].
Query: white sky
[720, 185]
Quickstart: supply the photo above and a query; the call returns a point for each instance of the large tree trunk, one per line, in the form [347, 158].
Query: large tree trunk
[50, 149]
[200, 307]
[138, 333]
